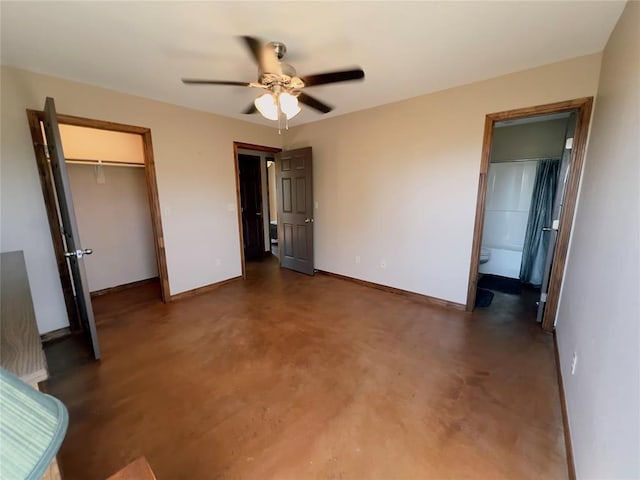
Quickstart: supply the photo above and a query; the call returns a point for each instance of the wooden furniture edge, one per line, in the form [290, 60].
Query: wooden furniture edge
[427, 299]
[124, 286]
[203, 289]
[565, 417]
[21, 347]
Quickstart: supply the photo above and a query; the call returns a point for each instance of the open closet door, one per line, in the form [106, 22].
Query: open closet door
[74, 251]
[295, 210]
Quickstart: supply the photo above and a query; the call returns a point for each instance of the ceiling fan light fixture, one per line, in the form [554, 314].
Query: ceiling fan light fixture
[266, 105]
[289, 105]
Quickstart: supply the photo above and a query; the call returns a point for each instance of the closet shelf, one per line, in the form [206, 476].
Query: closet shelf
[104, 163]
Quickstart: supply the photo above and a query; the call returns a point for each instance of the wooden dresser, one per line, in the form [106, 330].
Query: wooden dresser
[20, 346]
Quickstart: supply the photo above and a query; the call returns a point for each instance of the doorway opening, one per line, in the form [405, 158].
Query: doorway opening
[255, 167]
[111, 177]
[531, 165]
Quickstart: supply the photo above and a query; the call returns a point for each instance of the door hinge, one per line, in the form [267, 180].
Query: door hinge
[45, 148]
[568, 145]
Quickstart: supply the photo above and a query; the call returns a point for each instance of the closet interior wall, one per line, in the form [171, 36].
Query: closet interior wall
[108, 184]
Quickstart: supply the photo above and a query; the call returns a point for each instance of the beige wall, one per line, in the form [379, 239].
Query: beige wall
[599, 313]
[114, 220]
[194, 165]
[397, 184]
[530, 140]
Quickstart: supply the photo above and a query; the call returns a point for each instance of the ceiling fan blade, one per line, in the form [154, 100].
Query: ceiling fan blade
[314, 103]
[333, 77]
[263, 55]
[195, 81]
[250, 109]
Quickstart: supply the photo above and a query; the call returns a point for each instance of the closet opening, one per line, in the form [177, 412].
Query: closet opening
[531, 166]
[112, 179]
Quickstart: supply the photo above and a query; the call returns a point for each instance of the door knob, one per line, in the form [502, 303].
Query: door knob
[79, 253]
[308, 220]
[546, 229]
[259, 214]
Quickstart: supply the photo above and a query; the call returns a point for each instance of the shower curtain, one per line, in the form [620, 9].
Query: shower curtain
[536, 240]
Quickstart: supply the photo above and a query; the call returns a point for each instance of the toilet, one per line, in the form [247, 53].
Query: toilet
[485, 255]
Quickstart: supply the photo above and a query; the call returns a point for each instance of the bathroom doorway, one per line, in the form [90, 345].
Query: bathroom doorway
[532, 159]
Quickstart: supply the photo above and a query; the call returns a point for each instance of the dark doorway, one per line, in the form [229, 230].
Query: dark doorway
[256, 228]
[251, 206]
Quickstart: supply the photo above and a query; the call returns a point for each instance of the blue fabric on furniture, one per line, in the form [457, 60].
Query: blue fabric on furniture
[32, 427]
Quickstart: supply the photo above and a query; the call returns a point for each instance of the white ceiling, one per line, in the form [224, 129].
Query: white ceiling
[406, 49]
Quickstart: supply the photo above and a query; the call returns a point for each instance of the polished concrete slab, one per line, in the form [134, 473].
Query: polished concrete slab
[293, 377]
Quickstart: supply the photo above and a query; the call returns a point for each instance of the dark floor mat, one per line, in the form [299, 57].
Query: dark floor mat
[483, 298]
[501, 284]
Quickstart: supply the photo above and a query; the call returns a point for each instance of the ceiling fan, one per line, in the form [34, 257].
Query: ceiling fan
[282, 84]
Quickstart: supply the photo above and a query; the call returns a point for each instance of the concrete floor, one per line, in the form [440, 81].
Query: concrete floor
[292, 377]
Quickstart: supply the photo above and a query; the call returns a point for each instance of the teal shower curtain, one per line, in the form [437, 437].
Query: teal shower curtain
[536, 240]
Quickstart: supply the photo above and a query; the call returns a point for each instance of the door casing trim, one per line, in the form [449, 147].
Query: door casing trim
[245, 146]
[35, 117]
[582, 107]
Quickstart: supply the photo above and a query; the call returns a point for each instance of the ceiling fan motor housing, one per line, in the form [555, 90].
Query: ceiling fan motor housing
[286, 77]
[279, 48]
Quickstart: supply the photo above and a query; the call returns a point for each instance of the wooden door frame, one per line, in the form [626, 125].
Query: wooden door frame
[35, 117]
[582, 107]
[245, 146]
[266, 161]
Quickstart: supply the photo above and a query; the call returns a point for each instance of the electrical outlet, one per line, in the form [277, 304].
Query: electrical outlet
[357, 258]
[574, 363]
[383, 264]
